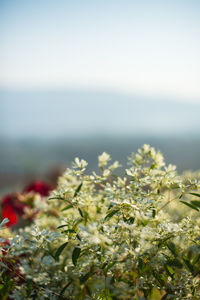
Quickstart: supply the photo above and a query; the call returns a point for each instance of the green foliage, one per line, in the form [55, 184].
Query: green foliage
[111, 237]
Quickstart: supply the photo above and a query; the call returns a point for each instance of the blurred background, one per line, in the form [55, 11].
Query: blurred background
[81, 77]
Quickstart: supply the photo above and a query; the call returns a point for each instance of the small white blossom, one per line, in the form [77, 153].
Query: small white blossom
[103, 159]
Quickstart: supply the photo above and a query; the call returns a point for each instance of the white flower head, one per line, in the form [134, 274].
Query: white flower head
[80, 164]
[103, 159]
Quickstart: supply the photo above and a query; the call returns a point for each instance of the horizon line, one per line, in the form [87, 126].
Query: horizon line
[167, 97]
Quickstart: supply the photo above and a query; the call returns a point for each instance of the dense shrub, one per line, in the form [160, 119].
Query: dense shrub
[101, 236]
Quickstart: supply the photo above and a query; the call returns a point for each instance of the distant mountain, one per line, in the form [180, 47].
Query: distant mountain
[53, 114]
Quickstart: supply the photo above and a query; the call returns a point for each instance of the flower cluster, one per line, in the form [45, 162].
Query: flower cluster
[102, 236]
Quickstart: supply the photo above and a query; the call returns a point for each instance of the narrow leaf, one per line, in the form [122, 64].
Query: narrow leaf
[67, 207]
[80, 212]
[190, 205]
[195, 194]
[75, 255]
[58, 198]
[59, 250]
[196, 203]
[61, 226]
[78, 189]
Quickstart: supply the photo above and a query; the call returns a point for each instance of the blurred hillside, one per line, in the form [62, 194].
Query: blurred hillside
[52, 114]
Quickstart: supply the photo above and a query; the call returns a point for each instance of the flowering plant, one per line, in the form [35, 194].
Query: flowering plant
[102, 236]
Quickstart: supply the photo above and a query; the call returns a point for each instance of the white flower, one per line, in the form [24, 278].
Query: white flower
[103, 159]
[81, 164]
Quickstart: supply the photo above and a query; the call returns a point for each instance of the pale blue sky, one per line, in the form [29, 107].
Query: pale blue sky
[144, 47]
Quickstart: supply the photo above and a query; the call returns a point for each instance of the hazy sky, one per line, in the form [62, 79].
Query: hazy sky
[146, 47]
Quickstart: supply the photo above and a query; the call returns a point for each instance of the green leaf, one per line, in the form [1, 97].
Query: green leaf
[78, 189]
[61, 226]
[58, 198]
[171, 246]
[59, 250]
[190, 205]
[111, 214]
[80, 212]
[195, 194]
[67, 207]
[75, 255]
[196, 203]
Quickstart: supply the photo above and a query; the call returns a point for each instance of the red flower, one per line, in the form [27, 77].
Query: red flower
[39, 187]
[12, 208]
[14, 201]
[9, 212]
[13, 205]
